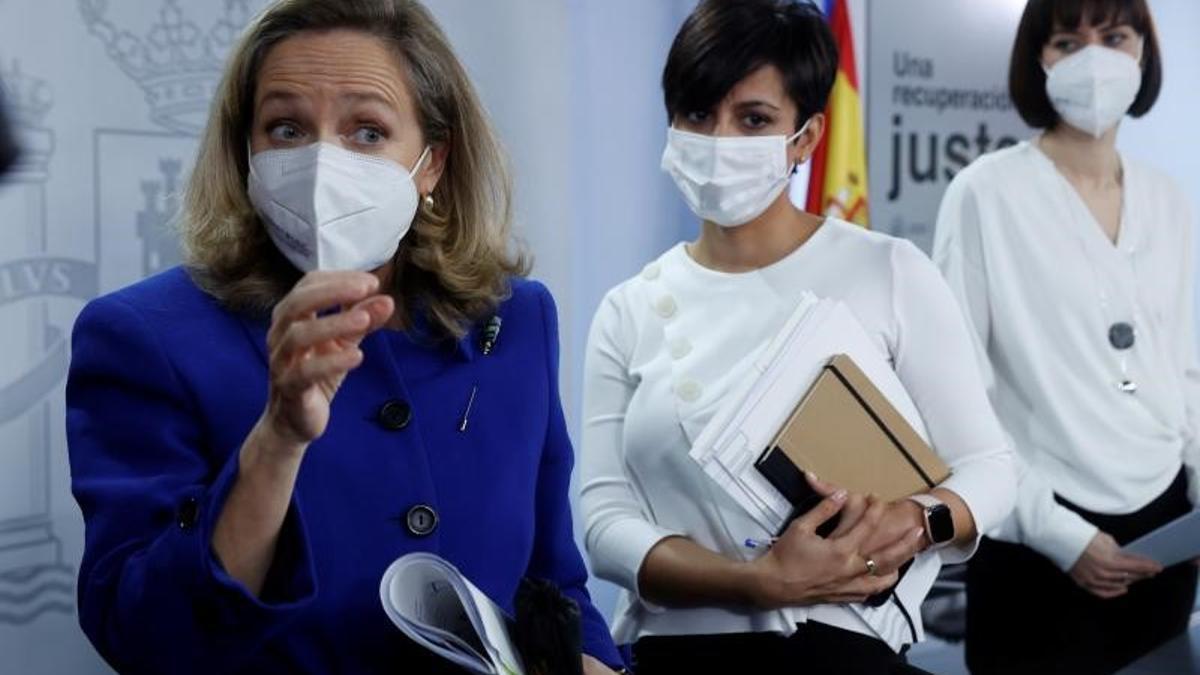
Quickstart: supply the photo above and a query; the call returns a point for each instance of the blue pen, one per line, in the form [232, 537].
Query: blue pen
[760, 543]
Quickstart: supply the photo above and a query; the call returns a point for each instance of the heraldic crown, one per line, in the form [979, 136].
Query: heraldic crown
[177, 62]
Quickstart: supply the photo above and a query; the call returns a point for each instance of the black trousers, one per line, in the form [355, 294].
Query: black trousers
[814, 649]
[1025, 615]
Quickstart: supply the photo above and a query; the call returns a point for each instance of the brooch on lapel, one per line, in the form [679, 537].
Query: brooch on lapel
[491, 332]
[487, 342]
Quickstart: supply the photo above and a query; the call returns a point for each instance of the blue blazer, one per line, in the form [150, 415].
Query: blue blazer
[164, 386]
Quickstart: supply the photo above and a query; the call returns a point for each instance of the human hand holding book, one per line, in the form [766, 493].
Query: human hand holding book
[896, 519]
[900, 516]
[802, 567]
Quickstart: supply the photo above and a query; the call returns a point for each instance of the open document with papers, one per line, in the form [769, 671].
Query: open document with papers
[438, 608]
[818, 392]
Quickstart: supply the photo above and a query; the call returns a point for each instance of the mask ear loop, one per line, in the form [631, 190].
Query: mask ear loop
[427, 200]
[417, 166]
[792, 139]
[427, 203]
[795, 137]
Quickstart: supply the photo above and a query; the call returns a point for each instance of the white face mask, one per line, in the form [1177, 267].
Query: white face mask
[327, 208]
[728, 180]
[1093, 88]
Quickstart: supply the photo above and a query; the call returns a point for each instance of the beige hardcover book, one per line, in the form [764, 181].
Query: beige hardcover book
[847, 433]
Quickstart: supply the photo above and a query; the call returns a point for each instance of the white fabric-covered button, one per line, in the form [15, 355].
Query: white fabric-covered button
[680, 348]
[651, 272]
[666, 307]
[689, 391]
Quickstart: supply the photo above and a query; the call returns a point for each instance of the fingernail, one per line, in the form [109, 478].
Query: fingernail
[840, 496]
[918, 532]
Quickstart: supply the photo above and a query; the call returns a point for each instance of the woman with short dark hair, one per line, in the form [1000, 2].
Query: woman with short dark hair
[745, 85]
[1074, 265]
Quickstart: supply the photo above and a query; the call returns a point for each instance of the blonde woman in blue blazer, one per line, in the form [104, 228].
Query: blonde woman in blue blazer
[325, 387]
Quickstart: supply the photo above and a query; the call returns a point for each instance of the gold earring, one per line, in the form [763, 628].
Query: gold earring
[428, 203]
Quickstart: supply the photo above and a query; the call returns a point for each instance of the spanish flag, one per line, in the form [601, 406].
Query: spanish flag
[837, 185]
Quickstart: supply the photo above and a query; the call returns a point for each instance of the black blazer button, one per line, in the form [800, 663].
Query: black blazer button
[394, 415]
[422, 520]
[188, 514]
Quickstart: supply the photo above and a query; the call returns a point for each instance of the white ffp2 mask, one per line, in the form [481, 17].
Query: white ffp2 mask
[1093, 88]
[327, 208]
[729, 180]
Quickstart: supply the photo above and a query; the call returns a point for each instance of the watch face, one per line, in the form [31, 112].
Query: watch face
[941, 524]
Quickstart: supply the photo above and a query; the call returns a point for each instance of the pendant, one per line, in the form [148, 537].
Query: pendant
[1121, 336]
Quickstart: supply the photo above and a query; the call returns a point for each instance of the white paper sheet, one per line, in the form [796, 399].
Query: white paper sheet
[440, 609]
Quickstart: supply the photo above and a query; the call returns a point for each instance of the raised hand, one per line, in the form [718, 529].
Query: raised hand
[311, 353]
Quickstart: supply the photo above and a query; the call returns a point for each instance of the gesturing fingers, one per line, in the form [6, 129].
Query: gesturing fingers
[321, 290]
[290, 338]
[379, 307]
[316, 369]
[303, 335]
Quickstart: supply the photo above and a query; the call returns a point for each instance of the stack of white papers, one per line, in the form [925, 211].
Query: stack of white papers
[757, 408]
[438, 608]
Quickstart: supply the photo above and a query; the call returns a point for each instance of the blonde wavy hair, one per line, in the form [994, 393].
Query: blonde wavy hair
[454, 266]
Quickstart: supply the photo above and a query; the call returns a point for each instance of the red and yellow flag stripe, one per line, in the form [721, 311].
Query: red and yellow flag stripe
[838, 183]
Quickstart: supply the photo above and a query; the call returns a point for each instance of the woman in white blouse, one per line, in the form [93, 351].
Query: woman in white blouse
[745, 84]
[1074, 265]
